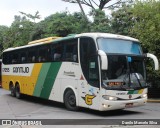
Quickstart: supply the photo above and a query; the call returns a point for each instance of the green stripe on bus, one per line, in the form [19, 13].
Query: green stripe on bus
[41, 79]
[50, 79]
[131, 92]
[136, 92]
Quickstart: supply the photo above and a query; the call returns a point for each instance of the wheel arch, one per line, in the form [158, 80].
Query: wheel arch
[74, 91]
[17, 83]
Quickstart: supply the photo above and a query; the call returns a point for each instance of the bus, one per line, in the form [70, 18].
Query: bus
[99, 71]
[0, 73]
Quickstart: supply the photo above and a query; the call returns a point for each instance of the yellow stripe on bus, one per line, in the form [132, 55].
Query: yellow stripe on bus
[34, 77]
[140, 91]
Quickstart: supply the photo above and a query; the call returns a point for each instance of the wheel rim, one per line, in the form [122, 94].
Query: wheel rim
[17, 92]
[12, 91]
[72, 100]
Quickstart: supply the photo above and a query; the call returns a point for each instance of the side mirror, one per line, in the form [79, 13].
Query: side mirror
[145, 50]
[154, 58]
[104, 60]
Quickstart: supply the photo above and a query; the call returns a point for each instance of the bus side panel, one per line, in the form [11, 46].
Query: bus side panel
[29, 84]
[50, 79]
[41, 79]
[5, 82]
[26, 79]
[67, 77]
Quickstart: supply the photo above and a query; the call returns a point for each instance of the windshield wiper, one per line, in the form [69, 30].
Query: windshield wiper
[138, 79]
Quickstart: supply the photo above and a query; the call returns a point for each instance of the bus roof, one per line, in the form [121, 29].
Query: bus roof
[107, 35]
[57, 39]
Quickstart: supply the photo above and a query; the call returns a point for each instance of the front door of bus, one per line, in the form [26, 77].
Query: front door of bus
[89, 86]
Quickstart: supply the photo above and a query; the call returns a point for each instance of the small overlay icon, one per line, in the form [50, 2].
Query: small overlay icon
[6, 122]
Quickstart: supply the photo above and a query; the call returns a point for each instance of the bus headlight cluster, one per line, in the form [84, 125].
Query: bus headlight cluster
[144, 95]
[109, 97]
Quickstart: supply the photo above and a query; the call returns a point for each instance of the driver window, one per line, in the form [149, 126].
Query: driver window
[93, 71]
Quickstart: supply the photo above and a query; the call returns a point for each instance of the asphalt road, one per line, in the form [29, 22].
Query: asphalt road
[35, 108]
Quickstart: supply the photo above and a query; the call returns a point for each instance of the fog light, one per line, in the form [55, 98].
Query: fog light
[105, 106]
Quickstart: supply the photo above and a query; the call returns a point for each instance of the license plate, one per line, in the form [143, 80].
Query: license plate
[129, 105]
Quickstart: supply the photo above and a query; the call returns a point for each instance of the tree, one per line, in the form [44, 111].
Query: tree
[3, 36]
[101, 22]
[19, 32]
[98, 5]
[38, 31]
[93, 4]
[122, 20]
[146, 29]
[62, 24]
[30, 16]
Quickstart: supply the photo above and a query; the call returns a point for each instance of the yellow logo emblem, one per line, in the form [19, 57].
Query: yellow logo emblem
[88, 99]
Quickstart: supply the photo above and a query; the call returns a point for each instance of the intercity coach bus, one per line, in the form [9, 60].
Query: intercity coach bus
[98, 71]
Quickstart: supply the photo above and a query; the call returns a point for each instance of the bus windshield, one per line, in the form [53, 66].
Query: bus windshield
[119, 46]
[124, 74]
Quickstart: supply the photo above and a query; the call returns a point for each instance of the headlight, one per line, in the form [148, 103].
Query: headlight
[109, 97]
[144, 95]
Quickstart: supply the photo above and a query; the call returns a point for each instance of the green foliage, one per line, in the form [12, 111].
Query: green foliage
[62, 24]
[146, 29]
[20, 31]
[147, 26]
[122, 20]
[100, 23]
[3, 34]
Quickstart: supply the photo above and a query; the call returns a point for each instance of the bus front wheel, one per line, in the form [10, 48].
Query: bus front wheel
[70, 100]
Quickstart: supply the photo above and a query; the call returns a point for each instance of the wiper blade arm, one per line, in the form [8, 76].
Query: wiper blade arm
[138, 79]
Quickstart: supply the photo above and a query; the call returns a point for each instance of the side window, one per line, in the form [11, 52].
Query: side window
[6, 58]
[87, 48]
[32, 55]
[93, 71]
[15, 57]
[44, 54]
[23, 56]
[56, 52]
[70, 52]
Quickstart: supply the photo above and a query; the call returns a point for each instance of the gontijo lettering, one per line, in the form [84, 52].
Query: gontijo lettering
[20, 69]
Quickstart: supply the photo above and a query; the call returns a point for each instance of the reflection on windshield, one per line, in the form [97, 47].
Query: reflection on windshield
[119, 46]
[123, 73]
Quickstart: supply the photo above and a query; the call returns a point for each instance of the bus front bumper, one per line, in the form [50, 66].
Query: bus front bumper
[122, 104]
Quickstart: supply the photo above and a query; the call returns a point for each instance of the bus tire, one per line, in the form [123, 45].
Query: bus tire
[12, 89]
[70, 100]
[17, 91]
